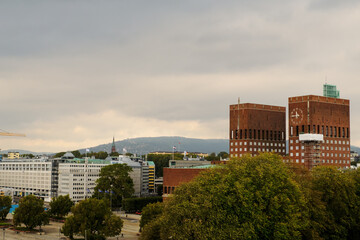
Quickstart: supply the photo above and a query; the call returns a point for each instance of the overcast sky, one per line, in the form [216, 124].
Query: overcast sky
[74, 74]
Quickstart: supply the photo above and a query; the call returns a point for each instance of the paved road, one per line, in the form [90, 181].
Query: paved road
[52, 231]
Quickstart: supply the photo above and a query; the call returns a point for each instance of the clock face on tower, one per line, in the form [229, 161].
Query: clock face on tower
[296, 116]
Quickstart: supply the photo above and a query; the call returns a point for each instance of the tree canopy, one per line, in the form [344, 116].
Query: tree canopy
[5, 205]
[93, 216]
[161, 161]
[250, 198]
[30, 212]
[60, 206]
[260, 198]
[114, 182]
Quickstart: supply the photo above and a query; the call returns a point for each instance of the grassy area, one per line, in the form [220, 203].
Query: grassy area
[6, 222]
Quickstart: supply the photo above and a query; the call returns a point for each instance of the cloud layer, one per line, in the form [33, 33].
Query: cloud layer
[74, 74]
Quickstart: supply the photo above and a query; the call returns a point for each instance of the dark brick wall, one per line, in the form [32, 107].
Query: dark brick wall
[321, 115]
[261, 129]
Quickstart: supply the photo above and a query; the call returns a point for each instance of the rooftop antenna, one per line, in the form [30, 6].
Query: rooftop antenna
[238, 126]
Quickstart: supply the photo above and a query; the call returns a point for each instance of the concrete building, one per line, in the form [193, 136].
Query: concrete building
[187, 163]
[354, 156]
[135, 174]
[77, 177]
[328, 116]
[151, 166]
[13, 155]
[27, 176]
[256, 128]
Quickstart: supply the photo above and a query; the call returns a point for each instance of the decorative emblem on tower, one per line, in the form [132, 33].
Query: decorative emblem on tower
[296, 116]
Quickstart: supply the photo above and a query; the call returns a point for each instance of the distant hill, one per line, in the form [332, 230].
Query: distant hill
[142, 146]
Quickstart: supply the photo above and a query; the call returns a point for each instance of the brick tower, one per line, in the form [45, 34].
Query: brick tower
[256, 128]
[329, 116]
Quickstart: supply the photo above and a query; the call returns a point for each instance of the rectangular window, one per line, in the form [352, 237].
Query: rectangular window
[335, 132]
[331, 132]
[302, 129]
[297, 130]
[245, 134]
[314, 129]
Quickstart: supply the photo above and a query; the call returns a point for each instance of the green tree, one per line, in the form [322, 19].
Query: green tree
[102, 155]
[5, 205]
[114, 182]
[223, 155]
[114, 154]
[94, 217]
[161, 161]
[30, 212]
[28, 155]
[212, 157]
[59, 154]
[150, 212]
[250, 198]
[76, 154]
[60, 206]
[338, 192]
[315, 207]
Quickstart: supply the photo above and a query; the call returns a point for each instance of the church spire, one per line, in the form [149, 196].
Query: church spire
[113, 148]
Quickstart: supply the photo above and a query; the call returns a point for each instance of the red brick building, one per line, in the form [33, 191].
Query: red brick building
[320, 115]
[173, 177]
[256, 128]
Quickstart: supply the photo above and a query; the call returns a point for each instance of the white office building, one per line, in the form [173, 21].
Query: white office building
[77, 177]
[27, 176]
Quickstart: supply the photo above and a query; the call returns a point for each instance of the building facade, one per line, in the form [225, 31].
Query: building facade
[256, 128]
[23, 177]
[78, 177]
[328, 116]
[173, 177]
[151, 166]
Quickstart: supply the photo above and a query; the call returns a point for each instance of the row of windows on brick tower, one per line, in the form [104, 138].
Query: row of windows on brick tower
[327, 131]
[257, 134]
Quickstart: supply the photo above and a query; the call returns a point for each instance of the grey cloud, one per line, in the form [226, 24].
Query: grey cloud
[168, 60]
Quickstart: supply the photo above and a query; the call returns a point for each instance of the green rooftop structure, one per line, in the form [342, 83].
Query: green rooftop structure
[330, 91]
